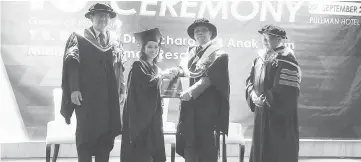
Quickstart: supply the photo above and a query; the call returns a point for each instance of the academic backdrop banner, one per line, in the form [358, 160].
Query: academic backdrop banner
[324, 36]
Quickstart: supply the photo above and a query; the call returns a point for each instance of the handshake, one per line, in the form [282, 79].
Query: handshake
[170, 73]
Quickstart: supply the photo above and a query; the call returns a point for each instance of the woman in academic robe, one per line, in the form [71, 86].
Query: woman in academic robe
[142, 137]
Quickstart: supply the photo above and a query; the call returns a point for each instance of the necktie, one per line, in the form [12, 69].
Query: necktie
[102, 39]
[196, 57]
[198, 49]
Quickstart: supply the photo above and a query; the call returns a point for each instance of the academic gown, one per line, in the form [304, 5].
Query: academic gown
[275, 132]
[142, 138]
[89, 68]
[208, 110]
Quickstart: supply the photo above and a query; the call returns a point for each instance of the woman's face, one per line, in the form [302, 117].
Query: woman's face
[151, 49]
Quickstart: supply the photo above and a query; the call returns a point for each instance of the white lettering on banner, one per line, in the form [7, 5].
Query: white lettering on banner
[335, 8]
[214, 8]
[350, 22]
[64, 5]
[116, 8]
[45, 51]
[178, 41]
[33, 34]
[276, 14]
[169, 55]
[127, 38]
[223, 7]
[170, 6]
[293, 9]
[143, 8]
[162, 55]
[234, 9]
[213, 12]
[333, 20]
[40, 34]
[131, 54]
[185, 5]
[69, 5]
[37, 21]
[36, 5]
[242, 44]
[290, 45]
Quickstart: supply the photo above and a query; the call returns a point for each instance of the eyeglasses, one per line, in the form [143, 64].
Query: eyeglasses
[201, 30]
[265, 37]
[268, 38]
[101, 15]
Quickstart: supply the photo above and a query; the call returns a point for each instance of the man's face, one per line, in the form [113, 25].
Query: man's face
[100, 20]
[202, 34]
[270, 41]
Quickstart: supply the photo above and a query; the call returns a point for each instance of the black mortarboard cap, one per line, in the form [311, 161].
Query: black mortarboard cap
[148, 35]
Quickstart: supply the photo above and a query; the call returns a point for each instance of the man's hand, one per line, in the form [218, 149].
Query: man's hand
[76, 98]
[258, 101]
[169, 73]
[184, 96]
[174, 71]
[122, 98]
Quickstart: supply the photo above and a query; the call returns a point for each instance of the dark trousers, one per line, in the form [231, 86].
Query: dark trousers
[99, 148]
[204, 150]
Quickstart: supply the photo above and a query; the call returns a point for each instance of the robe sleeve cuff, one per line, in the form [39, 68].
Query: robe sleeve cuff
[181, 72]
[73, 73]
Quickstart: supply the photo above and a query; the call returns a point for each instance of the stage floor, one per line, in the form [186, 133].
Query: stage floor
[178, 159]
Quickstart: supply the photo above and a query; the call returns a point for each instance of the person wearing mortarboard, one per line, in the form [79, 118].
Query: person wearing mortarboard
[93, 85]
[142, 138]
[204, 110]
[272, 91]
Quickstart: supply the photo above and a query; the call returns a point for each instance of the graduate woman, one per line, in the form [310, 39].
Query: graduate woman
[142, 137]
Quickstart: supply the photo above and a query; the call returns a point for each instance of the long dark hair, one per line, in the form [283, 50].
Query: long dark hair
[143, 56]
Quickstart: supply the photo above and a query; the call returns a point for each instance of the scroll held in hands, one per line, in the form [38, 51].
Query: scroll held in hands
[172, 88]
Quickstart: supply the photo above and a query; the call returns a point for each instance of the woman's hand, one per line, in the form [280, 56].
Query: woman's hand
[169, 73]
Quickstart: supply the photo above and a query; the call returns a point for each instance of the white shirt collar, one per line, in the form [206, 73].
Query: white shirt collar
[98, 32]
[205, 45]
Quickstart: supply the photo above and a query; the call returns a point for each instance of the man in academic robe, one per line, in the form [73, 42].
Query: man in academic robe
[204, 110]
[93, 85]
[272, 92]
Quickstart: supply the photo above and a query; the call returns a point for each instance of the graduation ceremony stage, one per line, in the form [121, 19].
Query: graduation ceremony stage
[309, 149]
[180, 160]
[327, 46]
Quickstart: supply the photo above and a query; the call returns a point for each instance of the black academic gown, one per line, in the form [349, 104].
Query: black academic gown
[90, 70]
[142, 137]
[208, 110]
[275, 132]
